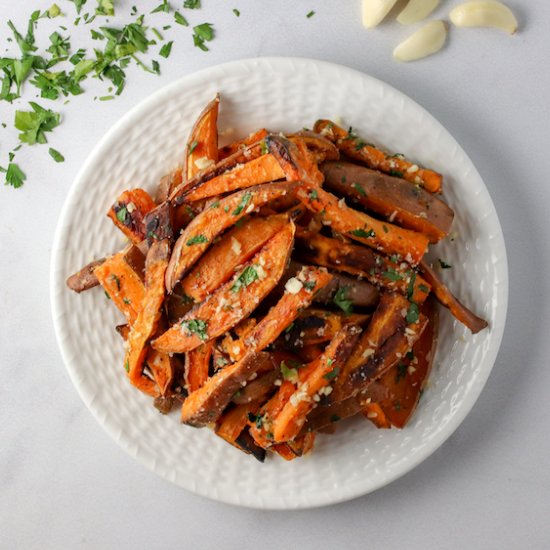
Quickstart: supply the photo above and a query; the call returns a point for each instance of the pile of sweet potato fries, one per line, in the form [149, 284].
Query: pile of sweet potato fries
[275, 286]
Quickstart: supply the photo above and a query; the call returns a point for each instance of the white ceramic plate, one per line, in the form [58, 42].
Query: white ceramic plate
[281, 94]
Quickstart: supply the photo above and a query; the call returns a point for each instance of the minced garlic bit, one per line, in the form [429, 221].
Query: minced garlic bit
[203, 162]
[300, 395]
[236, 246]
[367, 353]
[372, 414]
[412, 169]
[293, 285]
[130, 207]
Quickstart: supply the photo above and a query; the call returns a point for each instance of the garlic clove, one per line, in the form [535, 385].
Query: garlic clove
[374, 11]
[486, 13]
[425, 41]
[416, 10]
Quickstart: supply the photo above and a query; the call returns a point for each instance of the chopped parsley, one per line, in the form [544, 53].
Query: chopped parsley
[313, 195]
[413, 313]
[385, 228]
[192, 147]
[165, 6]
[342, 301]
[401, 371]
[359, 189]
[105, 7]
[56, 155]
[244, 201]
[180, 19]
[14, 175]
[363, 234]
[197, 239]
[410, 288]
[423, 288]
[166, 49]
[290, 374]
[127, 365]
[34, 124]
[332, 374]
[201, 34]
[392, 275]
[122, 214]
[309, 285]
[246, 278]
[192, 4]
[236, 12]
[443, 264]
[396, 173]
[310, 14]
[196, 326]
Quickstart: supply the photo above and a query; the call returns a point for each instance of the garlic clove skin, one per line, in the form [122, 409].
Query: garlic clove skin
[484, 13]
[374, 11]
[416, 10]
[425, 41]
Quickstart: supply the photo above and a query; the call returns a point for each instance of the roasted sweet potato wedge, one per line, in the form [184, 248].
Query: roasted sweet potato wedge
[84, 278]
[234, 248]
[202, 230]
[258, 389]
[159, 223]
[360, 227]
[255, 172]
[383, 272]
[129, 211]
[234, 300]
[197, 364]
[202, 146]
[319, 148]
[398, 200]
[207, 403]
[343, 289]
[148, 317]
[355, 148]
[167, 184]
[406, 381]
[447, 299]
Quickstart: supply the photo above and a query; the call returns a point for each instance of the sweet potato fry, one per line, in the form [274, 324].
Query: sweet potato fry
[197, 364]
[202, 146]
[447, 299]
[148, 317]
[159, 223]
[232, 148]
[405, 382]
[241, 156]
[297, 297]
[343, 288]
[296, 448]
[360, 261]
[395, 198]
[388, 318]
[122, 285]
[260, 170]
[232, 423]
[161, 368]
[234, 249]
[360, 227]
[207, 403]
[375, 414]
[258, 389]
[234, 300]
[167, 184]
[84, 278]
[368, 154]
[202, 230]
[294, 160]
[288, 423]
[129, 211]
[386, 357]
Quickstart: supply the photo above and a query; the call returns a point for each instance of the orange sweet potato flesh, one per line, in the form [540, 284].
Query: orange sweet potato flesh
[207, 403]
[260, 170]
[202, 230]
[406, 381]
[283, 313]
[289, 421]
[319, 148]
[197, 363]
[241, 156]
[233, 301]
[161, 367]
[300, 446]
[148, 317]
[122, 284]
[232, 423]
[447, 299]
[129, 211]
[203, 140]
[394, 198]
[362, 262]
[375, 414]
[374, 158]
[234, 147]
[235, 248]
[360, 227]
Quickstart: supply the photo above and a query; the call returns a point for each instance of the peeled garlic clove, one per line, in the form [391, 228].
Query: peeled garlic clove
[425, 41]
[416, 10]
[487, 13]
[375, 10]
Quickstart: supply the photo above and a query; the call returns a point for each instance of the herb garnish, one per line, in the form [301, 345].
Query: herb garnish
[197, 239]
[413, 313]
[342, 301]
[196, 326]
[244, 201]
[363, 234]
[246, 278]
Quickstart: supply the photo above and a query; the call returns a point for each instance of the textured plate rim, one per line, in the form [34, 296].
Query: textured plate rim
[57, 282]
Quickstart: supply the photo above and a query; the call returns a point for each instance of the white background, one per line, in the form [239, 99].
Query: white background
[65, 484]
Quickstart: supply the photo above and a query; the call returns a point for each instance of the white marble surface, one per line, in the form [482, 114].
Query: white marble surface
[65, 484]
